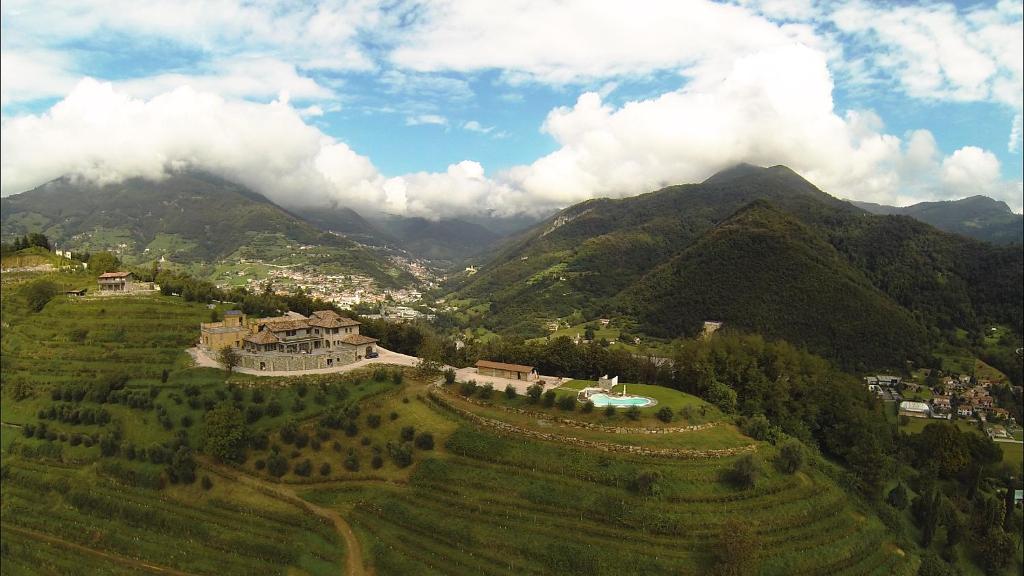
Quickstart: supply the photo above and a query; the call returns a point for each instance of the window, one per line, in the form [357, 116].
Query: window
[290, 333]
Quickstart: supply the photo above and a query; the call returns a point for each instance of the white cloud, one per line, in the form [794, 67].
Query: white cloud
[102, 134]
[474, 126]
[426, 120]
[237, 78]
[1013, 146]
[573, 41]
[774, 107]
[33, 74]
[935, 52]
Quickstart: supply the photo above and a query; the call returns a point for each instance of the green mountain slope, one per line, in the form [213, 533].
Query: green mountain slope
[763, 271]
[978, 217]
[588, 259]
[188, 217]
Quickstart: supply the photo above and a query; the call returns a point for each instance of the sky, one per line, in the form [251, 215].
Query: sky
[456, 107]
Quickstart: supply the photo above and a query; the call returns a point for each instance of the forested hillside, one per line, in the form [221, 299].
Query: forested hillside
[979, 217]
[899, 281]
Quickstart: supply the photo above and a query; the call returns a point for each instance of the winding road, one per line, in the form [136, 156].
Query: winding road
[354, 551]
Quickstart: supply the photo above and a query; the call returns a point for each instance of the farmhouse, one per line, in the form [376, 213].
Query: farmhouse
[502, 370]
[289, 342]
[115, 281]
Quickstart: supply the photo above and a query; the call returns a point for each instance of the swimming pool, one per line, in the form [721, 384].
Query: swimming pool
[602, 400]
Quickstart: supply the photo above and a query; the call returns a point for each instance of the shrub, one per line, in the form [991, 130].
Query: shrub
[376, 462]
[301, 389]
[588, 406]
[646, 483]
[665, 414]
[396, 377]
[336, 446]
[757, 427]
[274, 408]
[373, 420]
[449, 376]
[549, 398]
[533, 393]
[393, 416]
[401, 454]
[304, 468]
[745, 472]
[425, 441]
[314, 443]
[467, 389]
[298, 405]
[791, 456]
[510, 392]
[257, 396]
[186, 421]
[207, 483]
[224, 435]
[259, 441]
[365, 441]
[722, 396]
[897, 497]
[567, 403]
[253, 413]
[633, 413]
[351, 429]
[407, 433]
[609, 411]
[301, 439]
[351, 462]
[288, 431]
[259, 464]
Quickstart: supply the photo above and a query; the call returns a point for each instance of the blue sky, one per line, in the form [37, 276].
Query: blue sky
[443, 108]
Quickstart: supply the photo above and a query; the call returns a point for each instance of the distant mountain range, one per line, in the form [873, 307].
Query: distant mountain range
[979, 217]
[761, 249]
[188, 217]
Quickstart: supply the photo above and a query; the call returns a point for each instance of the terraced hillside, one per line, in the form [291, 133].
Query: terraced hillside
[427, 490]
[500, 505]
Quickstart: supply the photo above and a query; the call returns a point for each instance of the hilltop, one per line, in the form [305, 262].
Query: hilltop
[978, 217]
[624, 257]
[187, 217]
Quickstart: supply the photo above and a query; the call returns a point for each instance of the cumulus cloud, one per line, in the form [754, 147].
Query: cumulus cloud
[774, 107]
[105, 135]
[33, 74]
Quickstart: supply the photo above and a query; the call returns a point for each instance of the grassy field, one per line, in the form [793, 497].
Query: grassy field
[1013, 454]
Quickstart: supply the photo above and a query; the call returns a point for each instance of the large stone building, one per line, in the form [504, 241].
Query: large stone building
[291, 342]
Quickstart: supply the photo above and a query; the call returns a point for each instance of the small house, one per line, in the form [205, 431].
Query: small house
[115, 281]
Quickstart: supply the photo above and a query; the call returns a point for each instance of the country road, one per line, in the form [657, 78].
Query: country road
[353, 553]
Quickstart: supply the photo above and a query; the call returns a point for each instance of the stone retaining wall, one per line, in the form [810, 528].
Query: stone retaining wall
[292, 362]
[504, 428]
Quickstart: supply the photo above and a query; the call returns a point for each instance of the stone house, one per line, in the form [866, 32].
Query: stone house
[290, 342]
[115, 281]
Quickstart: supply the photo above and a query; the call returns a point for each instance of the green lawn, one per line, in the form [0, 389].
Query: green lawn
[1013, 454]
[915, 425]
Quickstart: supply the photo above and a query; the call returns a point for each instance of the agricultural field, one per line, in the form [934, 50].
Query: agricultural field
[103, 411]
[496, 505]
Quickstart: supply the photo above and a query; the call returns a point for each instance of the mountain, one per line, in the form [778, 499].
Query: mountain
[189, 217]
[763, 270]
[749, 244]
[979, 217]
[445, 240]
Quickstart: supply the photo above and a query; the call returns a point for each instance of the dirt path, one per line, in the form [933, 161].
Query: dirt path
[128, 562]
[354, 551]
